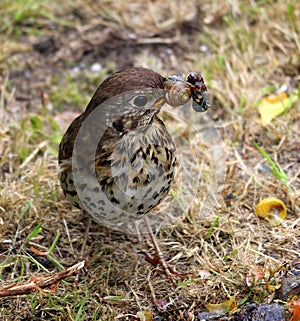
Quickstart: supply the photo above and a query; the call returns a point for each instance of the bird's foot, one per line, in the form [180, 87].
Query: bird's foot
[159, 260]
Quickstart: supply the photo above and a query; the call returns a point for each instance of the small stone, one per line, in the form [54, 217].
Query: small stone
[96, 67]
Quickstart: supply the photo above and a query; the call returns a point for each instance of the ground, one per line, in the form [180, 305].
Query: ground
[53, 55]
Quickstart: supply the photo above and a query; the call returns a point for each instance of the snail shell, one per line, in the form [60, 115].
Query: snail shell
[177, 92]
[271, 209]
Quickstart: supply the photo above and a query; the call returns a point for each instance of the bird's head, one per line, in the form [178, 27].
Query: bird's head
[130, 98]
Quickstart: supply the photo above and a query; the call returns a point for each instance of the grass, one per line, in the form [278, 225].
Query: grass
[29, 17]
[247, 50]
[275, 168]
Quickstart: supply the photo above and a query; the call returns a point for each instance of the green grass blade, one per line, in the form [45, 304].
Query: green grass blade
[34, 232]
[275, 169]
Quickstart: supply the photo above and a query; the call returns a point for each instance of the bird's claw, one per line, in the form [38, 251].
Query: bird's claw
[169, 270]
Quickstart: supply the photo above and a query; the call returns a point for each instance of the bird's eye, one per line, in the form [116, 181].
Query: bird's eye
[140, 101]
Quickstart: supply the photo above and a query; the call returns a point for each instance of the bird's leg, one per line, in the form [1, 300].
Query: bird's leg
[86, 235]
[82, 252]
[159, 259]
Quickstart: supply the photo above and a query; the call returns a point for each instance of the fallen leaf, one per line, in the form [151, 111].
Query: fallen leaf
[222, 308]
[162, 304]
[295, 308]
[258, 272]
[274, 105]
[145, 315]
[204, 274]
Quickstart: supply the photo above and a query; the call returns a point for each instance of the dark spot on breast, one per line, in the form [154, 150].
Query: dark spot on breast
[155, 195]
[167, 153]
[114, 200]
[133, 158]
[76, 204]
[104, 162]
[154, 159]
[103, 181]
[166, 189]
[72, 193]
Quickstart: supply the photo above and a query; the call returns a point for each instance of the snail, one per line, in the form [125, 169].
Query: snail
[180, 91]
[271, 209]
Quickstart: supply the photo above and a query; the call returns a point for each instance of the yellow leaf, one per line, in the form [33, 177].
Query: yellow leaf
[274, 105]
[258, 272]
[145, 315]
[223, 307]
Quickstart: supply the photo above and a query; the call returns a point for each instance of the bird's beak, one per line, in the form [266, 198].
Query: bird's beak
[159, 102]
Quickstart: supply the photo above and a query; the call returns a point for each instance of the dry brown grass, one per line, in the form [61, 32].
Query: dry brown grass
[245, 50]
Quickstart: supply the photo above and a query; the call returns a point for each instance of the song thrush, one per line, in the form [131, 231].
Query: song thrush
[117, 158]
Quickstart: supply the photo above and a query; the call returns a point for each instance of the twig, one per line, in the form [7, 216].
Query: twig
[40, 282]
